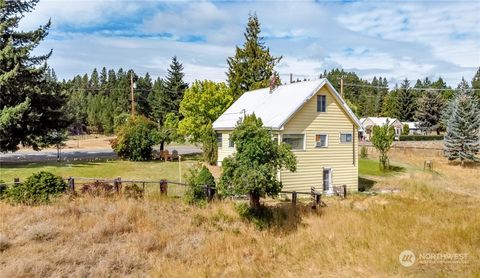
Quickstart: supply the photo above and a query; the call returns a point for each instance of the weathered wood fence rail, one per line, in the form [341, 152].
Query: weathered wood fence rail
[210, 191]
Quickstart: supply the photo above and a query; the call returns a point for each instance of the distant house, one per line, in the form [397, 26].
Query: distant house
[369, 122]
[413, 127]
[317, 123]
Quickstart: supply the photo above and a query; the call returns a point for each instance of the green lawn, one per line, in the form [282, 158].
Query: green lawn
[371, 168]
[152, 170]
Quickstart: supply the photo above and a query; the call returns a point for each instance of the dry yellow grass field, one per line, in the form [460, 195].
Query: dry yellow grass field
[363, 235]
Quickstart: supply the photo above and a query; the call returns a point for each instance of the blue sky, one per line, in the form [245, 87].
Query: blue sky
[395, 39]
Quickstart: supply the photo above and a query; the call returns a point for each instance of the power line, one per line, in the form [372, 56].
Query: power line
[412, 88]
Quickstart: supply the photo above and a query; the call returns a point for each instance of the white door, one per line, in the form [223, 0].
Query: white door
[327, 179]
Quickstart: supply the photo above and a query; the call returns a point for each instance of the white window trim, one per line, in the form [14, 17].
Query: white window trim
[346, 132]
[326, 141]
[304, 141]
[330, 186]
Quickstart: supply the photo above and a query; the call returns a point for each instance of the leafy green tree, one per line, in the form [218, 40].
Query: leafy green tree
[252, 66]
[31, 104]
[202, 104]
[382, 140]
[135, 139]
[406, 102]
[462, 140]
[429, 111]
[253, 168]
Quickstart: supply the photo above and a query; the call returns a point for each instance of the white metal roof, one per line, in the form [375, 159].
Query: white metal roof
[276, 108]
[411, 125]
[378, 121]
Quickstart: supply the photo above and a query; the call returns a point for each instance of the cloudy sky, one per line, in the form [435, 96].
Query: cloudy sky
[395, 39]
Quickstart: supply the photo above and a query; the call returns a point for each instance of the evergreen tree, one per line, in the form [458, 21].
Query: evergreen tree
[476, 84]
[429, 111]
[252, 66]
[174, 86]
[462, 140]
[31, 104]
[103, 77]
[390, 108]
[406, 102]
[157, 101]
[94, 83]
[142, 91]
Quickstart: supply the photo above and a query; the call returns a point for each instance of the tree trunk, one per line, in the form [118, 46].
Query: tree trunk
[254, 201]
[162, 145]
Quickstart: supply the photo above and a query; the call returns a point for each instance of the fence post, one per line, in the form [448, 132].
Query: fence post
[294, 197]
[314, 197]
[318, 197]
[163, 187]
[71, 185]
[210, 192]
[117, 183]
[344, 191]
[16, 181]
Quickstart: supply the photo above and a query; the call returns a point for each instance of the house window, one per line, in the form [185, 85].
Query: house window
[345, 137]
[230, 142]
[294, 140]
[219, 140]
[321, 140]
[321, 103]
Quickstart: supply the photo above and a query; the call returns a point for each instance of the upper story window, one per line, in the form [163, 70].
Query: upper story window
[294, 140]
[345, 137]
[321, 140]
[321, 103]
[219, 140]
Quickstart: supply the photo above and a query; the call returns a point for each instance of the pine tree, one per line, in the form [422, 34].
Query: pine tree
[174, 86]
[94, 82]
[390, 108]
[462, 140]
[31, 106]
[143, 89]
[429, 111]
[252, 66]
[406, 102]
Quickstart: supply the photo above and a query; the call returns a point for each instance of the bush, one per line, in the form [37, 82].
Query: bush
[3, 189]
[421, 137]
[363, 152]
[406, 129]
[38, 188]
[133, 191]
[197, 178]
[97, 189]
[135, 139]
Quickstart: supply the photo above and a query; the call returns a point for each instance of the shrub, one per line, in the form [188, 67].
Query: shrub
[363, 152]
[197, 178]
[97, 189]
[406, 129]
[133, 191]
[3, 189]
[38, 188]
[135, 139]
[421, 137]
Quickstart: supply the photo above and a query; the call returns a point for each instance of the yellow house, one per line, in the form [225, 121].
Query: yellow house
[315, 120]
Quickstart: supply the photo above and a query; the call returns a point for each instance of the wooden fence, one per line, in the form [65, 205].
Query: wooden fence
[163, 188]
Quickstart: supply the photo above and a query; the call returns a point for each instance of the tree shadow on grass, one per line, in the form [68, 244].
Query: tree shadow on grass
[282, 218]
[365, 184]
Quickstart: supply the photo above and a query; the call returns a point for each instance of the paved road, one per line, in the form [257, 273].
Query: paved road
[76, 154]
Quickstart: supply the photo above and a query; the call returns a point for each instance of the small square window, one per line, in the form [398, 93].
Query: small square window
[231, 144]
[345, 137]
[321, 103]
[321, 141]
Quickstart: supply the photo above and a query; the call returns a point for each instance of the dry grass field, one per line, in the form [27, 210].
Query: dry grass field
[432, 212]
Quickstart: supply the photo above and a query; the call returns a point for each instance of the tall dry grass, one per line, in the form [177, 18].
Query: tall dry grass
[359, 236]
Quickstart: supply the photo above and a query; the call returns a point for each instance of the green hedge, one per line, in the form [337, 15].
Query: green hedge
[421, 137]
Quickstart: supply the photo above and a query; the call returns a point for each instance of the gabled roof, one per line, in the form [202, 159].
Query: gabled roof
[277, 107]
[378, 121]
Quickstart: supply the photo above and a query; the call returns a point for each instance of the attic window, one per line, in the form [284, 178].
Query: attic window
[321, 103]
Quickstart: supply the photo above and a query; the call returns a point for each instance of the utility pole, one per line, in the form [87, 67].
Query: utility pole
[291, 78]
[131, 93]
[341, 86]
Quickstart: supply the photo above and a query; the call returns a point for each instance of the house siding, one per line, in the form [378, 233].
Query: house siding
[224, 150]
[342, 158]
